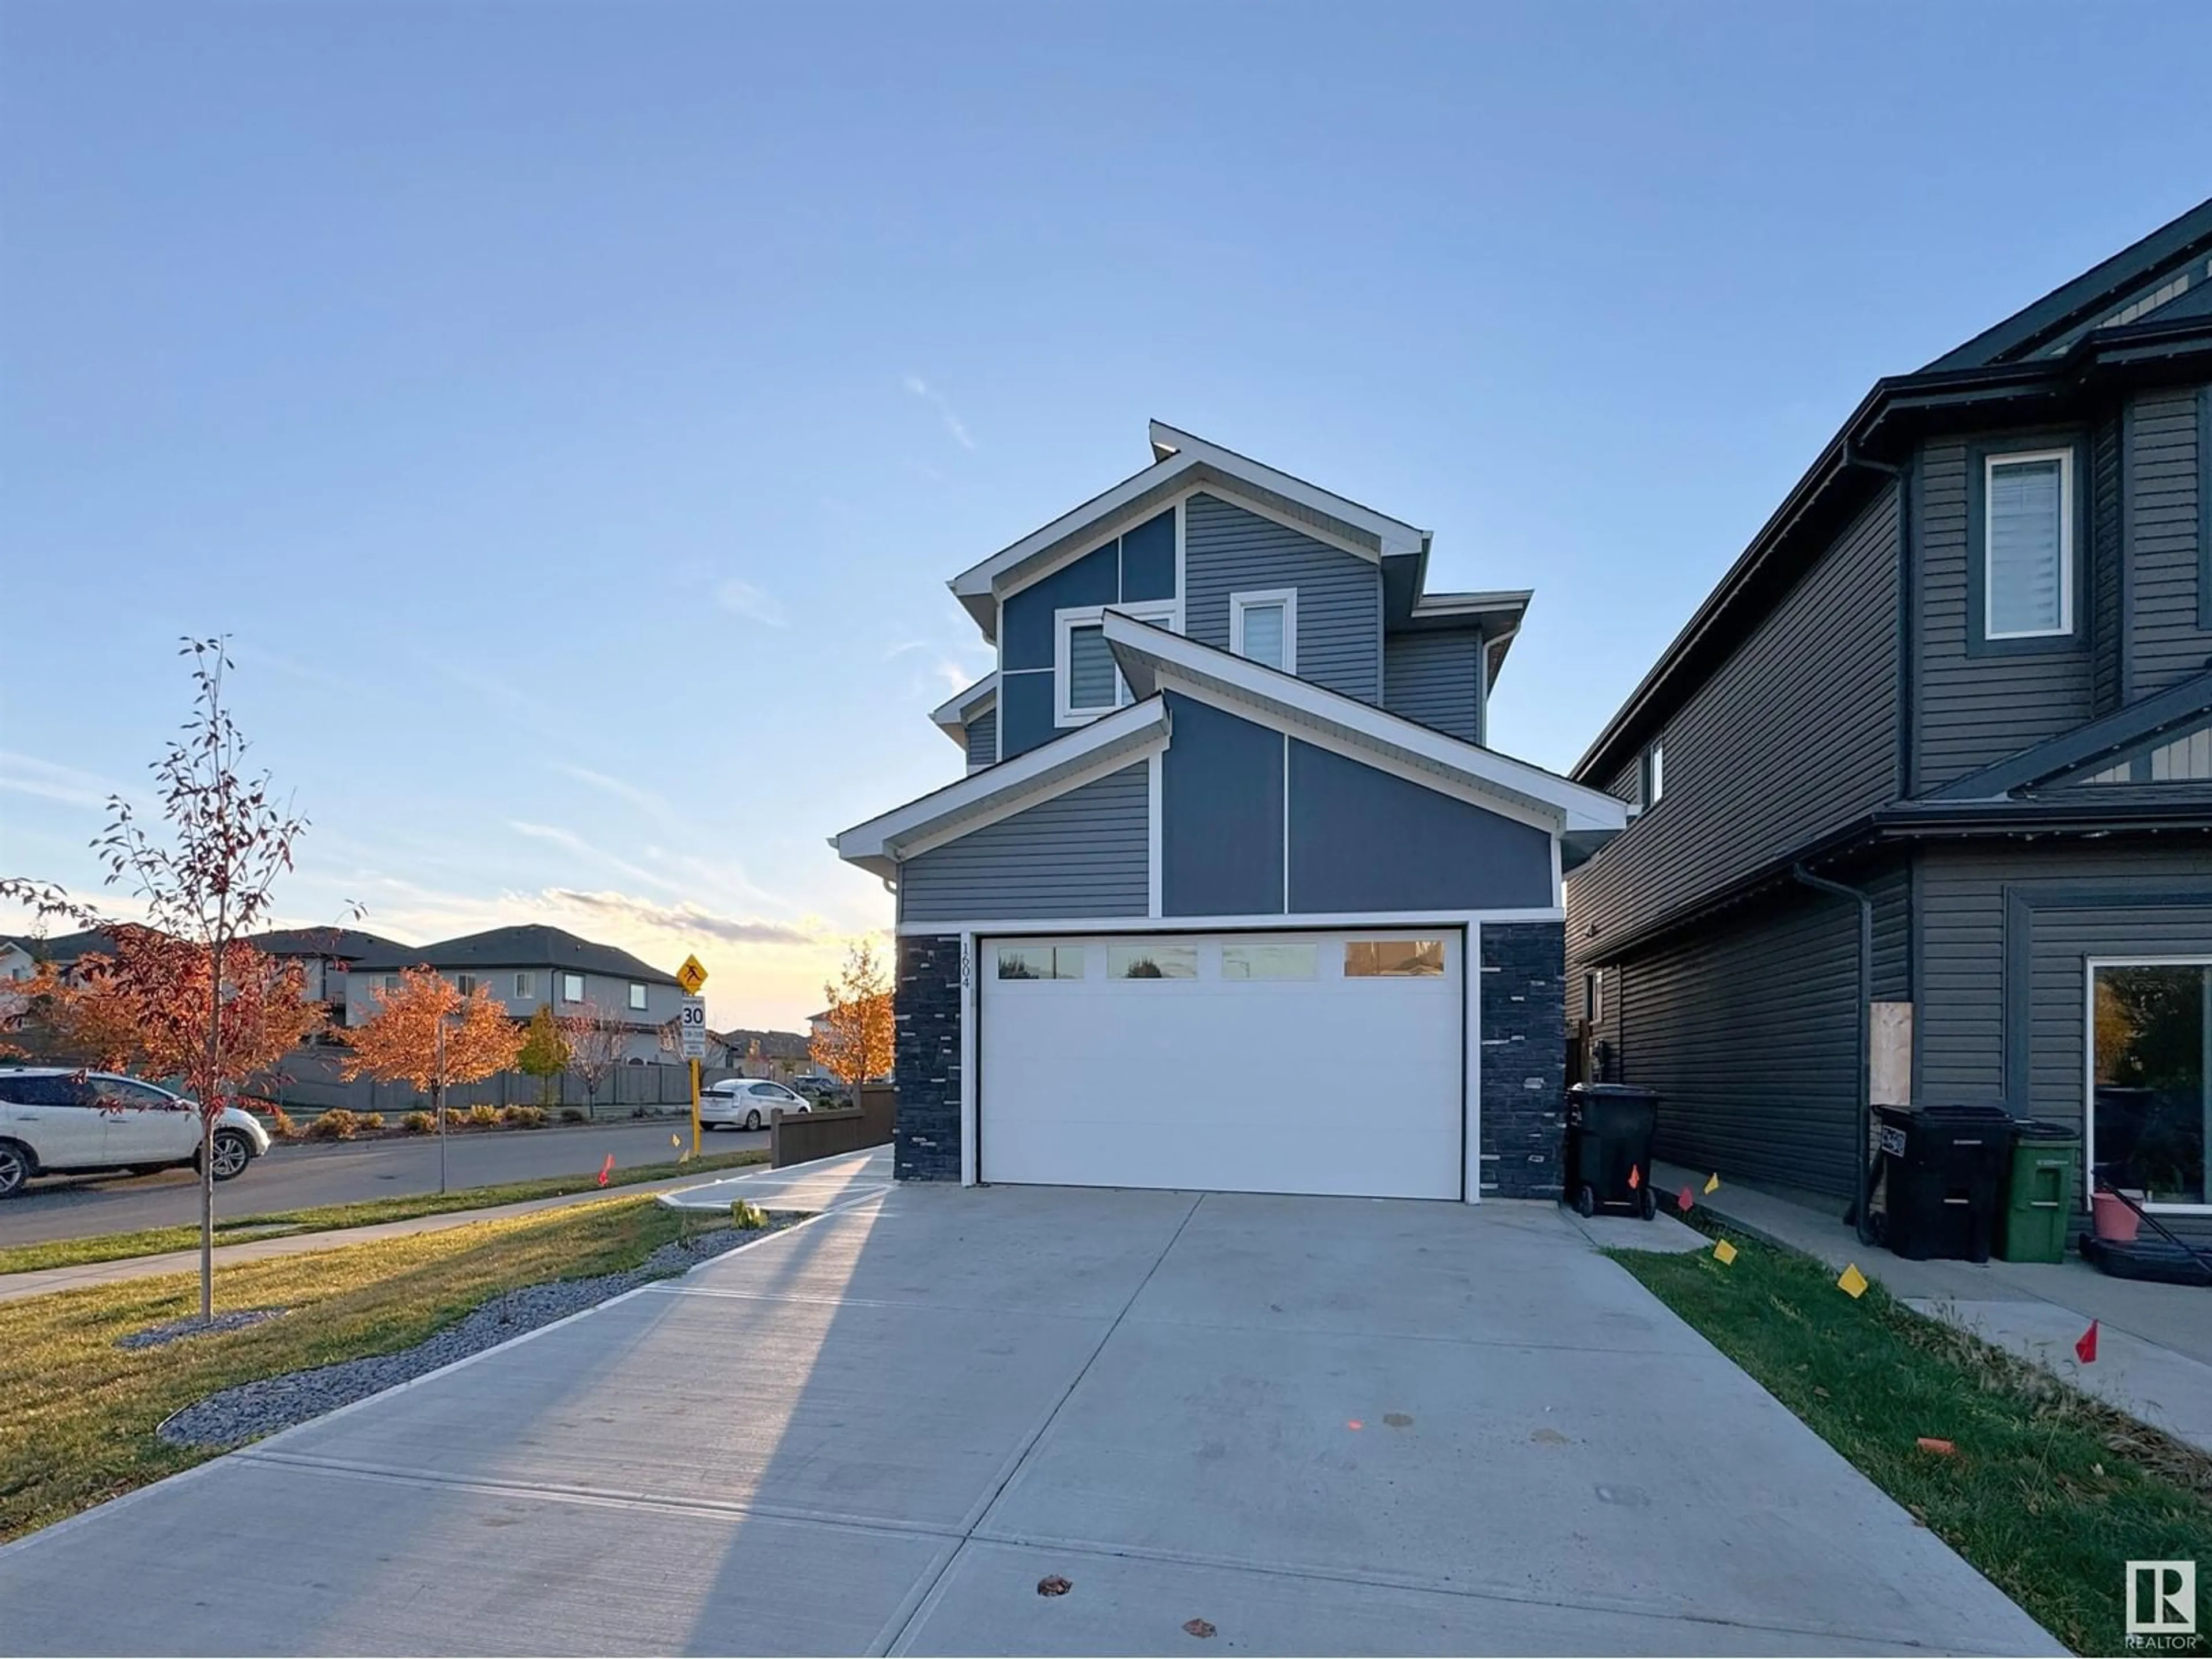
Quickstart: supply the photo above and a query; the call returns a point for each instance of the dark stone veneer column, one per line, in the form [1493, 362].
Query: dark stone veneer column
[1524, 1057]
[926, 1060]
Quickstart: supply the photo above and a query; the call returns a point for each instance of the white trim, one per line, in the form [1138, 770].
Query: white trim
[1035, 773]
[1470, 969]
[1506, 785]
[2020, 458]
[970, 1002]
[2089, 966]
[1430, 605]
[1286, 824]
[1287, 597]
[1064, 625]
[956, 710]
[1153, 832]
[1299, 921]
[1396, 535]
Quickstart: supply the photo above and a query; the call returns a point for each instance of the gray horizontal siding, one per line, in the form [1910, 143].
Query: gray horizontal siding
[2163, 476]
[1891, 889]
[983, 740]
[1229, 551]
[1794, 735]
[1435, 678]
[2106, 532]
[1976, 709]
[1747, 1030]
[1083, 853]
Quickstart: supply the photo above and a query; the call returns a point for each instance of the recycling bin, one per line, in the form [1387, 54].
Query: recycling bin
[1942, 1168]
[2039, 1191]
[1610, 1128]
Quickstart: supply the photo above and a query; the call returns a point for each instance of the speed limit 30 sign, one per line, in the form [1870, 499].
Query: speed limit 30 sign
[692, 1028]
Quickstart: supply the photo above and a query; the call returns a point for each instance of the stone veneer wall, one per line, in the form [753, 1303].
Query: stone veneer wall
[1524, 1057]
[926, 1060]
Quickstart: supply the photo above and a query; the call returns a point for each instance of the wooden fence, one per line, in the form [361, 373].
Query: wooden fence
[805, 1136]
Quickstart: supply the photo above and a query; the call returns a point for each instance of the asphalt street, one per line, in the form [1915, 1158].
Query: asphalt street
[295, 1176]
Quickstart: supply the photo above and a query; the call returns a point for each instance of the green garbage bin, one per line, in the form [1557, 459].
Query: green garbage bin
[2039, 1191]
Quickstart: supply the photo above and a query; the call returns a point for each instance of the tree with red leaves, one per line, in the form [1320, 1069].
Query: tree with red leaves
[206, 1006]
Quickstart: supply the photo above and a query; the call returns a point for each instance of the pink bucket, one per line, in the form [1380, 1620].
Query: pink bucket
[2114, 1221]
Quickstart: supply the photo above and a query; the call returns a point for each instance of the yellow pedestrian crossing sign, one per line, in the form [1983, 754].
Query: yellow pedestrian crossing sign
[691, 975]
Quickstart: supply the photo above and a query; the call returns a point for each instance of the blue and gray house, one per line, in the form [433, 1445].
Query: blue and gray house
[1234, 894]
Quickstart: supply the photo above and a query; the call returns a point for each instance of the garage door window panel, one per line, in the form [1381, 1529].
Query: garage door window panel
[1040, 962]
[1394, 958]
[1161, 961]
[1296, 961]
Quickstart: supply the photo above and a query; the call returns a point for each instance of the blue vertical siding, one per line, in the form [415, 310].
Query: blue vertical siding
[1227, 550]
[1221, 814]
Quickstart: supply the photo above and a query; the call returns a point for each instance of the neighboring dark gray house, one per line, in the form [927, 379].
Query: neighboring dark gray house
[1233, 895]
[1966, 671]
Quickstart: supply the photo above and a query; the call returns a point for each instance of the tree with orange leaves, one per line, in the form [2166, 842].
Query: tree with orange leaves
[428, 1034]
[855, 1044]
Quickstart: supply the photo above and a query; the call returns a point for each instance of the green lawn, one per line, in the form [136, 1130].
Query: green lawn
[2049, 1493]
[78, 1414]
[237, 1230]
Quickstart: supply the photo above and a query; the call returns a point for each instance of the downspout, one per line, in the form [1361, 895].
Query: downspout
[1864, 1112]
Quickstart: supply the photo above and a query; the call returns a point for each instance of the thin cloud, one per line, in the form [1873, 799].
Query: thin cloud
[921, 389]
[742, 598]
[571, 842]
[633, 793]
[26, 775]
[686, 918]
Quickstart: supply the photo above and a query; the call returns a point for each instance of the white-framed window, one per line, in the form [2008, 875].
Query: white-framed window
[637, 998]
[526, 987]
[2027, 544]
[465, 984]
[1085, 683]
[1593, 996]
[572, 987]
[2149, 1079]
[392, 981]
[1263, 626]
[1651, 777]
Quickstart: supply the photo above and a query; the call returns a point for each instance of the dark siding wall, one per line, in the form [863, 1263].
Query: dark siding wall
[2163, 478]
[1083, 853]
[1025, 711]
[1793, 736]
[1221, 814]
[1974, 710]
[1435, 678]
[2106, 527]
[1748, 1031]
[1891, 889]
[983, 739]
[1227, 550]
[1974, 943]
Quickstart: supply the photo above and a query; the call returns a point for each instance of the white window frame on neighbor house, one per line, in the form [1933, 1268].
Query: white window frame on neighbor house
[526, 987]
[1287, 597]
[465, 984]
[572, 987]
[2089, 968]
[1163, 613]
[2023, 457]
[636, 998]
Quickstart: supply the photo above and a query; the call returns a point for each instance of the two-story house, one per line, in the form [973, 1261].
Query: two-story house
[529, 968]
[325, 956]
[1234, 894]
[1922, 793]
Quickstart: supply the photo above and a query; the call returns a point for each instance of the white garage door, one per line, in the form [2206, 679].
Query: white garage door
[1239, 1062]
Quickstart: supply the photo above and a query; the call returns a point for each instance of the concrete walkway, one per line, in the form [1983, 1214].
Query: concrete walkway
[46, 1280]
[2153, 1341]
[1321, 1425]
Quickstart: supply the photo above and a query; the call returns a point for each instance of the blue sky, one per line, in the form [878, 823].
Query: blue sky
[573, 411]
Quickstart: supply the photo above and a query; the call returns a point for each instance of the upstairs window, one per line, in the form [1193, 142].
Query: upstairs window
[465, 984]
[2027, 545]
[572, 987]
[1264, 627]
[637, 998]
[1651, 776]
[1086, 684]
[526, 987]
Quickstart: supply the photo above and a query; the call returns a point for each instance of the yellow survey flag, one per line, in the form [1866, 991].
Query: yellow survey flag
[1723, 1252]
[1713, 1182]
[1853, 1283]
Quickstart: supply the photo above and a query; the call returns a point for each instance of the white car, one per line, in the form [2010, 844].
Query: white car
[55, 1120]
[739, 1102]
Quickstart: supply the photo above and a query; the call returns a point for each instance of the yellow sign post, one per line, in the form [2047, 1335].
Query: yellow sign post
[691, 975]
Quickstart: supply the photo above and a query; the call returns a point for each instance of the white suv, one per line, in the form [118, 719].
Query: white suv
[54, 1121]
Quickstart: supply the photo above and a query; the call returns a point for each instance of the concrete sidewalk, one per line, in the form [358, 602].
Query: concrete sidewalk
[46, 1280]
[1321, 1426]
[2155, 1341]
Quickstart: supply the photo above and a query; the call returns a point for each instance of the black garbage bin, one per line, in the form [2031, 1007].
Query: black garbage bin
[1610, 1127]
[1943, 1176]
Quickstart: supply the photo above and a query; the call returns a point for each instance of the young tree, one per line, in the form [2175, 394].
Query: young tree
[544, 1052]
[204, 883]
[855, 1044]
[428, 1034]
[597, 1043]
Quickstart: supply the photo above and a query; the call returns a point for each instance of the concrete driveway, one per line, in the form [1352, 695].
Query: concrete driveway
[1321, 1426]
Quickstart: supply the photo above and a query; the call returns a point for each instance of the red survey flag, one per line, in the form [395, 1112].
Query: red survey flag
[2085, 1349]
[606, 1168]
[1635, 1177]
[1684, 1202]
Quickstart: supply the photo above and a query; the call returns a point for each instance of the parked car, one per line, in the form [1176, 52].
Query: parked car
[56, 1120]
[740, 1102]
[822, 1090]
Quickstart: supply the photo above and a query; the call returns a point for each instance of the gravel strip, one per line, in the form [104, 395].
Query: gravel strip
[258, 1408]
[160, 1336]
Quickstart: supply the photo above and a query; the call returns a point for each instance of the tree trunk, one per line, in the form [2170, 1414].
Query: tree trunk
[207, 1216]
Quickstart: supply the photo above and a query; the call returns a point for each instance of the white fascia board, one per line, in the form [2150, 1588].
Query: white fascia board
[1472, 604]
[953, 714]
[1143, 651]
[1395, 534]
[877, 845]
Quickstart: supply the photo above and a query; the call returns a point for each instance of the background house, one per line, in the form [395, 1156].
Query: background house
[325, 956]
[1966, 673]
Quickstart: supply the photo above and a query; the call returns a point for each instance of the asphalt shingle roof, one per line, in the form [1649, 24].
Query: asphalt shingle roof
[534, 947]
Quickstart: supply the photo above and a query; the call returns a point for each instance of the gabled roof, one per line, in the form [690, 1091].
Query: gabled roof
[343, 943]
[63, 949]
[2175, 709]
[951, 716]
[530, 946]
